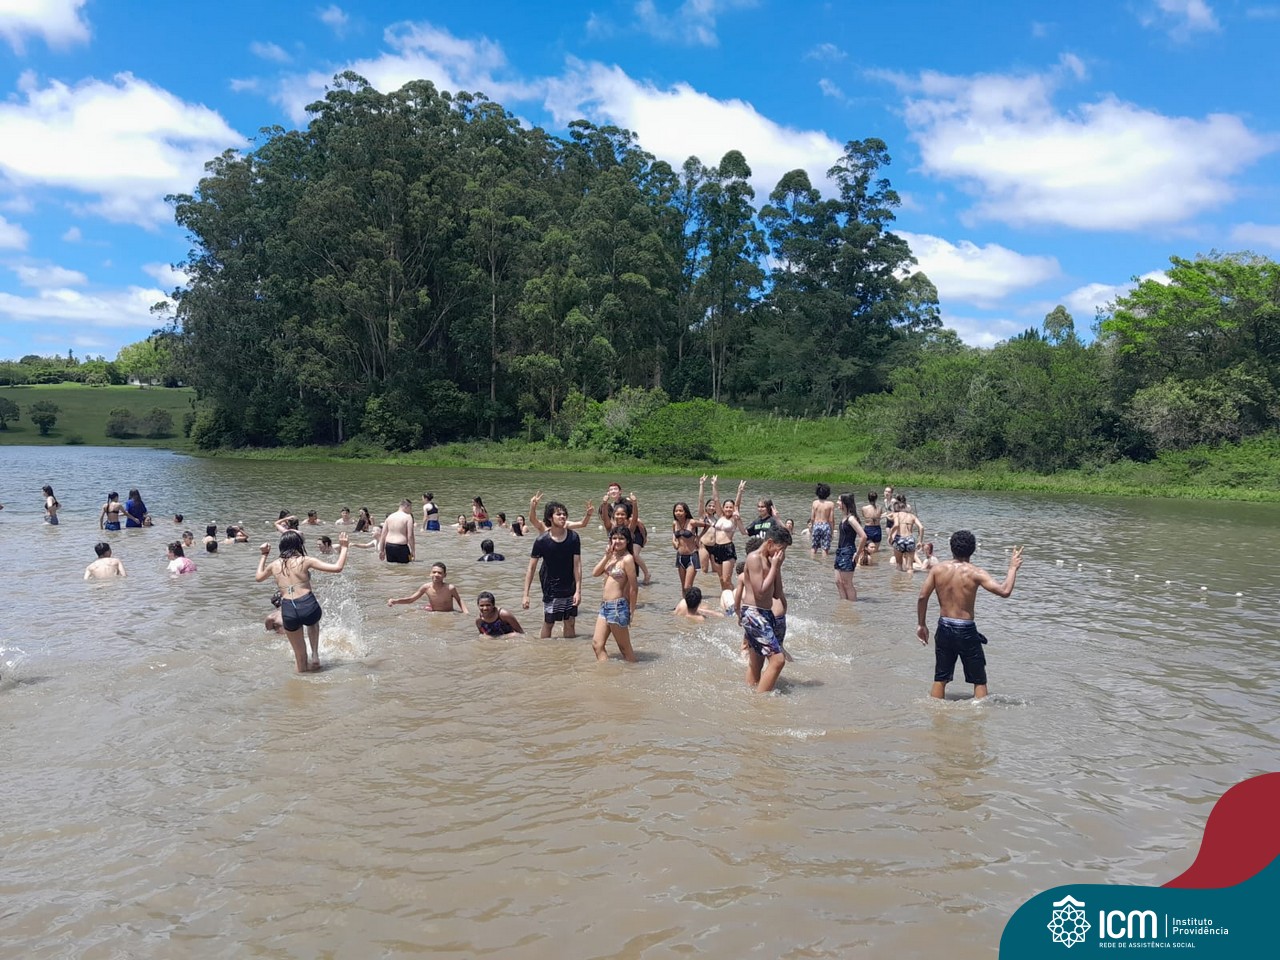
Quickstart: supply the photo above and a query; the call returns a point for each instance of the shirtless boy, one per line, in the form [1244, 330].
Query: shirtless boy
[907, 532]
[395, 540]
[957, 582]
[106, 566]
[821, 516]
[765, 654]
[440, 595]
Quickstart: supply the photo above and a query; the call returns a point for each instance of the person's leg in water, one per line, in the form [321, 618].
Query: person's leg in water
[313, 636]
[299, 645]
[622, 636]
[844, 585]
[755, 663]
[600, 638]
[770, 673]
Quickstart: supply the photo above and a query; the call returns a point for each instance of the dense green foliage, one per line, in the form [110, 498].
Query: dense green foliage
[417, 267]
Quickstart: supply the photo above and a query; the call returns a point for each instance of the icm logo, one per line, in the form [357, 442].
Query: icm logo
[1118, 925]
[1068, 925]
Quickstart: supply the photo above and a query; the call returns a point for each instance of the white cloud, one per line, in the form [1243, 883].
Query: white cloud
[825, 51]
[167, 275]
[982, 331]
[269, 51]
[12, 236]
[129, 308]
[57, 21]
[693, 22]
[244, 85]
[1180, 18]
[47, 276]
[830, 89]
[1107, 165]
[124, 144]
[420, 52]
[678, 121]
[1084, 303]
[73, 235]
[335, 18]
[979, 275]
[1262, 234]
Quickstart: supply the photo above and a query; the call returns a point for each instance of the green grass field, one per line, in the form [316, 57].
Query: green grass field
[83, 413]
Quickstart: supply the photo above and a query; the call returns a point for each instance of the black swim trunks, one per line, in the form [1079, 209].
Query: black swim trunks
[303, 612]
[397, 552]
[959, 638]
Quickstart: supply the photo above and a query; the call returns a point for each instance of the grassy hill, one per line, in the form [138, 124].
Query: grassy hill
[83, 413]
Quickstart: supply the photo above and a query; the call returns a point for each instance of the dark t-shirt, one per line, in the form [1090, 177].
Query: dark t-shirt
[492, 558]
[556, 572]
[761, 526]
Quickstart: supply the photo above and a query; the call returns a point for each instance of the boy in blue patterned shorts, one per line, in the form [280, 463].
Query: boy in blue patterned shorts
[957, 582]
[765, 655]
[821, 516]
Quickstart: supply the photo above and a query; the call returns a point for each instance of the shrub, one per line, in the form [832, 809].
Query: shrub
[120, 423]
[44, 414]
[156, 423]
[677, 433]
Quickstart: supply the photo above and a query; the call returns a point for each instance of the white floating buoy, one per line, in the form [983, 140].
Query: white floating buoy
[1239, 594]
[1167, 582]
[1135, 576]
[1108, 569]
[1204, 588]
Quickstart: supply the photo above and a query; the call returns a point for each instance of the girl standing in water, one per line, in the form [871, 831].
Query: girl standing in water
[684, 537]
[51, 506]
[109, 518]
[618, 567]
[135, 511]
[299, 607]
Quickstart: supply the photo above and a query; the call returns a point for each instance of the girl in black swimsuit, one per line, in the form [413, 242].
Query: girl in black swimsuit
[684, 537]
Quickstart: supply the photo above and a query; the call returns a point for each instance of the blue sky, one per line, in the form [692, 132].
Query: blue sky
[1045, 153]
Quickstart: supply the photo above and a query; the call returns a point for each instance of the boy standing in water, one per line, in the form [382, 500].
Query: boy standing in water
[440, 595]
[560, 551]
[765, 655]
[821, 515]
[106, 566]
[957, 582]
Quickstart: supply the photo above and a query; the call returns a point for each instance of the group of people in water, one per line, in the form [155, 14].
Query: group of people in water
[751, 589]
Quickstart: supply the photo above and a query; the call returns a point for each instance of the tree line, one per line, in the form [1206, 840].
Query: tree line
[417, 267]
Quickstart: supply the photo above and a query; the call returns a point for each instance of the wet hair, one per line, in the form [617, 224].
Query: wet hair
[327, 541]
[345, 510]
[742, 565]
[486, 546]
[778, 535]
[311, 513]
[102, 548]
[134, 494]
[681, 504]
[292, 523]
[177, 518]
[211, 546]
[692, 598]
[624, 506]
[428, 496]
[753, 544]
[443, 568]
[517, 526]
[621, 531]
[848, 501]
[292, 545]
[485, 595]
[283, 514]
[277, 598]
[407, 503]
[231, 531]
[188, 533]
[872, 497]
[48, 492]
[963, 543]
[549, 510]
[502, 517]
[364, 521]
[112, 496]
[478, 502]
[469, 526]
[211, 530]
[823, 491]
[176, 549]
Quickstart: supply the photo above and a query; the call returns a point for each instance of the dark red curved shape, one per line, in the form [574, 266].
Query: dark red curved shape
[1241, 838]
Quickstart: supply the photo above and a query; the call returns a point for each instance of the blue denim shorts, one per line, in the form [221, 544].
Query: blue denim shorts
[617, 612]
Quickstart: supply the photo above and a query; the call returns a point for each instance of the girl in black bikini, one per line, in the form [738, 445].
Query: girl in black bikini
[299, 607]
[495, 621]
[684, 537]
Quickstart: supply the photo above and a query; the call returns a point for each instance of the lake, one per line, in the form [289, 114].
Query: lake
[173, 789]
